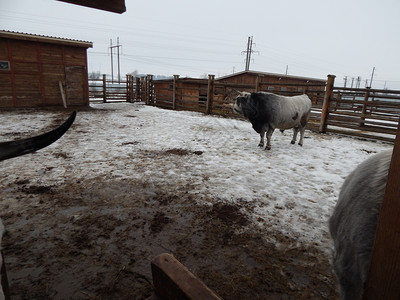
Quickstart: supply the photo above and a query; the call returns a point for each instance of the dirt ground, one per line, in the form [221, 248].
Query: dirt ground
[95, 238]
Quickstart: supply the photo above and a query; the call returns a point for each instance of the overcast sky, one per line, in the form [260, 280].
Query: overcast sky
[192, 38]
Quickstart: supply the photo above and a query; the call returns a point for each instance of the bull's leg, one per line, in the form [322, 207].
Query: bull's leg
[295, 131]
[269, 134]
[261, 144]
[303, 123]
[302, 129]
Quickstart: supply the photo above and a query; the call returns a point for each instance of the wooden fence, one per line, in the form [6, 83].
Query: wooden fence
[213, 97]
[132, 89]
[368, 113]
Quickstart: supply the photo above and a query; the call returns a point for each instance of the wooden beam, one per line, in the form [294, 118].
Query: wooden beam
[117, 6]
[172, 280]
[210, 94]
[384, 273]
[174, 88]
[327, 100]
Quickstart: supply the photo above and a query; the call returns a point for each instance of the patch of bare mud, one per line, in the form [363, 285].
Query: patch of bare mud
[82, 240]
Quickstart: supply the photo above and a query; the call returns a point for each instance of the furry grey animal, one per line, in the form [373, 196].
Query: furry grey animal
[354, 221]
[267, 111]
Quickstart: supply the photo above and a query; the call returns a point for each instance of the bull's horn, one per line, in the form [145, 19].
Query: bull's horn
[24, 146]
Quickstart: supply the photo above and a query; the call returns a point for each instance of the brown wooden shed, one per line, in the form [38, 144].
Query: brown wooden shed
[35, 70]
[278, 83]
[250, 77]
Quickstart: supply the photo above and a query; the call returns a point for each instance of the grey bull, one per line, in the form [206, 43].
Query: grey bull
[267, 111]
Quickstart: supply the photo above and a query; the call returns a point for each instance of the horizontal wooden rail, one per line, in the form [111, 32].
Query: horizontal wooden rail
[365, 90]
[293, 84]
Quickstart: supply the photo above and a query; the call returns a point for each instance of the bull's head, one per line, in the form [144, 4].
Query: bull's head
[24, 146]
[240, 102]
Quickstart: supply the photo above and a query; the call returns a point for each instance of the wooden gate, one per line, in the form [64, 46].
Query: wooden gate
[107, 90]
[75, 88]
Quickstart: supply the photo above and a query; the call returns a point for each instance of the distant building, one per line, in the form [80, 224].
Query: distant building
[35, 69]
[277, 83]
[249, 77]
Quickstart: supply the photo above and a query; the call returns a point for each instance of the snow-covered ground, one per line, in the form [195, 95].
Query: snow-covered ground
[290, 188]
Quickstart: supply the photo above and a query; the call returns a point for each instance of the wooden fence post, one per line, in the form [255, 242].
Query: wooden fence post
[258, 85]
[210, 93]
[104, 88]
[364, 107]
[384, 271]
[327, 100]
[150, 89]
[174, 88]
[305, 88]
[131, 96]
[128, 88]
[146, 89]
[137, 90]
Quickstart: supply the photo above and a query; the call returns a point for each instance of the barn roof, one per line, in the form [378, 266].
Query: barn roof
[43, 38]
[117, 6]
[269, 74]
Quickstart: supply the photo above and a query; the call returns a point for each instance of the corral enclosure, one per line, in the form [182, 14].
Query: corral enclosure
[35, 71]
[214, 95]
[86, 215]
[367, 113]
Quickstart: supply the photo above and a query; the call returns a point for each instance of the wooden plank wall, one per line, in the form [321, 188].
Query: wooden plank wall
[384, 272]
[195, 95]
[368, 113]
[37, 68]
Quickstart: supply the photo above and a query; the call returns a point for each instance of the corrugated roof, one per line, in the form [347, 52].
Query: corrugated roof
[44, 38]
[269, 74]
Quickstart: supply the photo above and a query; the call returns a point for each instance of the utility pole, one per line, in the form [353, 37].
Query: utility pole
[372, 76]
[112, 65]
[345, 81]
[248, 52]
[358, 82]
[287, 68]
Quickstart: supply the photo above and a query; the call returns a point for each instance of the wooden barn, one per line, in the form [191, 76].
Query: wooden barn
[179, 93]
[42, 71]
[278, 83]
[214, 95]
[282, 82]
